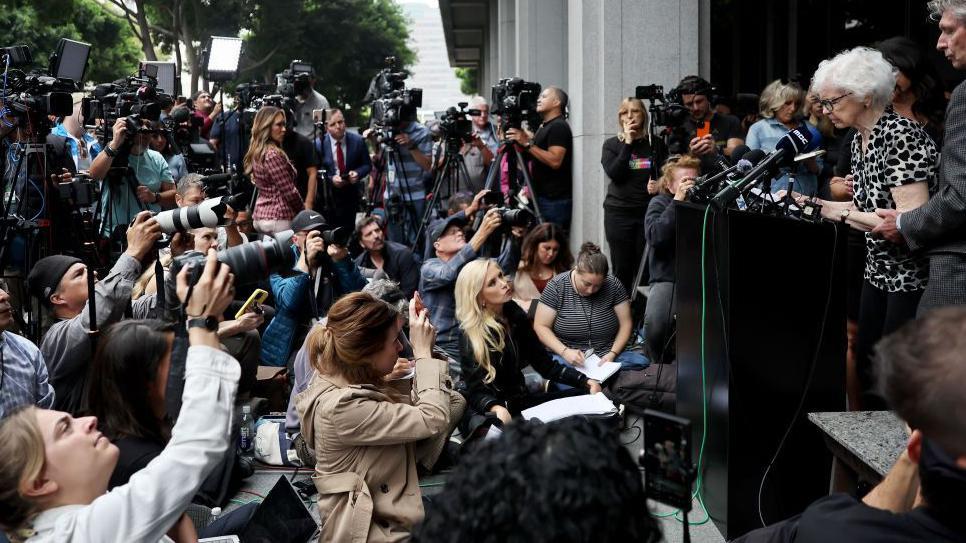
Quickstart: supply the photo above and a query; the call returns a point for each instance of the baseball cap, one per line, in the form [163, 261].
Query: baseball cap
[307, 220]
[440, 226]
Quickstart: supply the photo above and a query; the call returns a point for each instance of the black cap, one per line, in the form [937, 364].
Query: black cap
[308, 220]
[45, 276]
[440, 226]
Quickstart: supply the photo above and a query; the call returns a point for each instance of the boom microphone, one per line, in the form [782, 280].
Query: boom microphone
[794, 142]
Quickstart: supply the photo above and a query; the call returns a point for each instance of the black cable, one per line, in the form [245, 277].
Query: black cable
[640, 432]
[808, 379]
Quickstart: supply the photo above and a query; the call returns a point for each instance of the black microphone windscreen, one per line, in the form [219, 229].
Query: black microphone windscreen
[795, 141]
[755, 156]
[739, 152]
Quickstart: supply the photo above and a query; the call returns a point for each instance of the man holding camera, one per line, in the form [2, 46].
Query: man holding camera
[25, 380]
[438, 275]
[479, 153]
[146, 184]
[60, 283]
[709, 131]
[345, 161]
[552, 152]
[394, 260]
[322, 275]
[308, 99]
[405, 186]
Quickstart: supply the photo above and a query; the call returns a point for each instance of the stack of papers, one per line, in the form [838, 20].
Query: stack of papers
[592, 368]
[588, 404]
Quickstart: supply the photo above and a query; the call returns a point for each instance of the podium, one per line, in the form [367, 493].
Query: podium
[767, 283]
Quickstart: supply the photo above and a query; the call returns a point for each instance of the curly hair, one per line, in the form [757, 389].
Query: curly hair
[570, 480]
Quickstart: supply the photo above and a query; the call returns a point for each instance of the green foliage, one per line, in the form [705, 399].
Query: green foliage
[469, 80]
[346, 41]
[40, 23]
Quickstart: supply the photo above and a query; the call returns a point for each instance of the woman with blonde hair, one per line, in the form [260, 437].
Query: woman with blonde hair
[631, 160]
[781, 106]
[364, 428]
[677, 176]
[498, 342]
[272, 173]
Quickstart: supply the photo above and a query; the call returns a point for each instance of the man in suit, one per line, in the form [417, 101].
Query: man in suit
[345, 161]
[939, 226]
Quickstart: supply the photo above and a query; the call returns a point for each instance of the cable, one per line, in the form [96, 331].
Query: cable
[640, 431]
[808, 379]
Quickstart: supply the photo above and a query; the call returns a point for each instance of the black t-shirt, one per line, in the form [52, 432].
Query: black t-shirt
[723, 128]
[302, 154]
[134, 454]
[547, 182]
[629, 168]
[843, 518]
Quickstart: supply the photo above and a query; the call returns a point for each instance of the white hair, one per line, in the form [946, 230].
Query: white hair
[862, 71]
[478, 101]
[957, 7]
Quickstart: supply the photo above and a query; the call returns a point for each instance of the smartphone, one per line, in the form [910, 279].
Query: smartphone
[418, 302]
[704, 129]
[257, 297]
[667, 459]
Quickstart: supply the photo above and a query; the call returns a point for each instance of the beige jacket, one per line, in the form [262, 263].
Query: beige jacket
[524, 291]
[365, 450]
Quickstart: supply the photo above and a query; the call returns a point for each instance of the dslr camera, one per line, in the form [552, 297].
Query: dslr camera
[515, 100]
[250, 262]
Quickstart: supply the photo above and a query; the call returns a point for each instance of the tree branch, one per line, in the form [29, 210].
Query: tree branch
[258, 63]
[128, 14]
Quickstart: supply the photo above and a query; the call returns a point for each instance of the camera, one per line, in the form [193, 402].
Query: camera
[210, 213]
[392, 104]
[517, 217]
[337, 236]
[32, 97]
[250, 262]
[665, 110]
[515, 100]
[134, 99]
[79, 191]
[455, 128]
[294, 80]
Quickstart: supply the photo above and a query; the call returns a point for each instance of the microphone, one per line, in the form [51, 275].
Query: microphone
[794, 142]
[745, 159]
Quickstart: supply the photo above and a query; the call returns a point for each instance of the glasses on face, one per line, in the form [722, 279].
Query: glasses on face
[672, 159]
[829, 104]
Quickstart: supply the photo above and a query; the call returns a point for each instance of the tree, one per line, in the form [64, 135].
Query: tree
[346, 41]
[469, 80]
[38, 24]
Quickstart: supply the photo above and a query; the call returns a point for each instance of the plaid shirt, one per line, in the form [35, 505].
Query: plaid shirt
[23, 375]
[278, 199]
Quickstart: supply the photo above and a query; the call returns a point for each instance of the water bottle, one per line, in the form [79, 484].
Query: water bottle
[246, 437]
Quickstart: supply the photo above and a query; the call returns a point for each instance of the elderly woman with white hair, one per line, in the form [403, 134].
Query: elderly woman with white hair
[781, 107]
[894, 165]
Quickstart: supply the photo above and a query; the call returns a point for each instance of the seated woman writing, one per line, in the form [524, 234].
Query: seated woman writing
[363, 429]
[55, 469]
[498, 342]
[545, 254]
[587, 309]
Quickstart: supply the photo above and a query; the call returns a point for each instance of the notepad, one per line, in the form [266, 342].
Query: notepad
[599, 373]
[588, 404]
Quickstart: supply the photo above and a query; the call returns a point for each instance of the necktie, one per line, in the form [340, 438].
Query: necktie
[339, 158]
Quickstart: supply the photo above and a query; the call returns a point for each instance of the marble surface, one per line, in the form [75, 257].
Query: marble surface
[876, 438]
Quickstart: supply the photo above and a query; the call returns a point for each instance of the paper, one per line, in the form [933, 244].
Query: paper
[596, 372]
[588, 404]
[493, 433]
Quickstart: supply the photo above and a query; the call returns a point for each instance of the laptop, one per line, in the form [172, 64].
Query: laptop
[281, 518]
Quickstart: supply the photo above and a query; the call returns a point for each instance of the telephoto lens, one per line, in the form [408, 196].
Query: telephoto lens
[337, 236]
[250, 262]
[517, 217]
[207, 214]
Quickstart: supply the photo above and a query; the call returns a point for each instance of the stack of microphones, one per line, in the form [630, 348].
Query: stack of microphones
[708, 185]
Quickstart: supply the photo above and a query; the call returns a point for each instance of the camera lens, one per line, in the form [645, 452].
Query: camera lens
[518, 217]
[250, 262]
[336, 236]
[209, 213]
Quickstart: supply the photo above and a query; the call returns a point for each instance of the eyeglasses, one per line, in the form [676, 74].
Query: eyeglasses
[830, 103]
[673, 158]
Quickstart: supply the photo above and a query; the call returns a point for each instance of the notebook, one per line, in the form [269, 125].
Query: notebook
[592, 367]
[587, 404]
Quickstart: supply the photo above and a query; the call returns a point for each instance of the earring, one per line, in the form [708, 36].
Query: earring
[484, 305]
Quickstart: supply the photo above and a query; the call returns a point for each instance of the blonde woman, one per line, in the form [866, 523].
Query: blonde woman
[631, 160]
[781, 105]
[498, 342]
[272, 173]
[364, 430]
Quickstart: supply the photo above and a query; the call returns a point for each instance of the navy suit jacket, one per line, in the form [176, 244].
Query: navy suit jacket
[356, 155]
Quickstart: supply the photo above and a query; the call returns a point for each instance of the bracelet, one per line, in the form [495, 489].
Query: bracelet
[563, 352]
[614, 353]
[157, 197]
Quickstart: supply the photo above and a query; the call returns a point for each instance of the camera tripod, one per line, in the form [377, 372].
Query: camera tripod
[451, 171]
[397, 199]
[516, 167]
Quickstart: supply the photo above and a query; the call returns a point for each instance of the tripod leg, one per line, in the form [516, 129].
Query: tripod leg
[529, 185]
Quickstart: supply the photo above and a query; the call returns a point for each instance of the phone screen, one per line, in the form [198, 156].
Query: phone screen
[667, 459]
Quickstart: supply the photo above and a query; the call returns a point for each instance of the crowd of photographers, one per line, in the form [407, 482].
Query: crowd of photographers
[378, 280]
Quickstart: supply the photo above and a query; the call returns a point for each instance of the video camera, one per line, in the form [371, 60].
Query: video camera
[183, 129]
[455, 127]
[665, 110]
[29, 98]
[134, 99]
[392, 104]
[515, 100]
[295, 79]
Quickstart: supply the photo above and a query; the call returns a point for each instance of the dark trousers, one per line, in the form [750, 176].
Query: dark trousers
[624, 228]
[556, 211]
[880, 314]
[341, 209]
[246, 348]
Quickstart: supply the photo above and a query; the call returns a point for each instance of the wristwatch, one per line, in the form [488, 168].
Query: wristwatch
[209, 323]
[845, 214]
[110, 152]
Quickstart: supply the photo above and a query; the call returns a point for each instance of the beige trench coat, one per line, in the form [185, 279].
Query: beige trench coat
[366, 451]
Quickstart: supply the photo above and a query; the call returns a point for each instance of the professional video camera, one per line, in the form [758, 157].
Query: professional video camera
[29, 98]
[454, 125]
[515, 100]
[666, 111]
[134, 99]
[295, 79]
[392, 104]
[249, 262]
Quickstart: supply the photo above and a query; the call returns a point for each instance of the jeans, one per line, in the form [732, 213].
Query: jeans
[556, 211]
[624, 227]
[272, 227]
[629, 360]
[404, 220]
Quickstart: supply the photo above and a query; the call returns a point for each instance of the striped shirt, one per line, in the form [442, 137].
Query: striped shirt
[278, 199]
[413, 186]
[23, 375]
[583, 322]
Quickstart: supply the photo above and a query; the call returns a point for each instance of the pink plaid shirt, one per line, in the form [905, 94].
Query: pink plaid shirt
[278, 199]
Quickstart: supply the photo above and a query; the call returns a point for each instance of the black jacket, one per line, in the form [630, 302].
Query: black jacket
[522, 348]
[659, 231]
[399, 264]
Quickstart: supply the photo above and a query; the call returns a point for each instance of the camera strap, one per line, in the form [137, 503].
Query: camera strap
[93, 332]
[159, 282]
